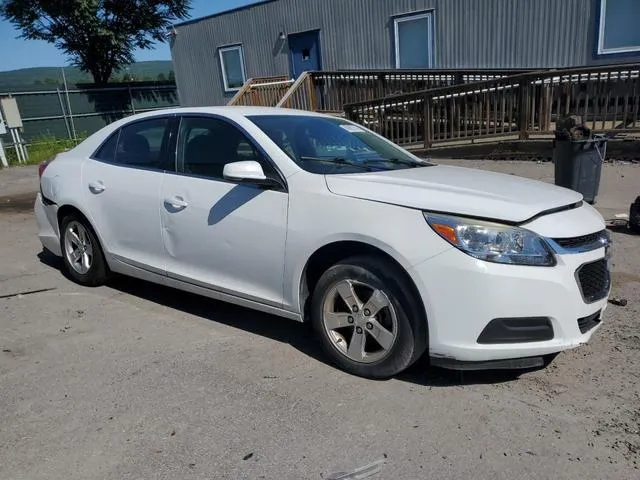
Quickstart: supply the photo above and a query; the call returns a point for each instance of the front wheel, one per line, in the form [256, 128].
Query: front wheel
[359, 311]
[81, 252]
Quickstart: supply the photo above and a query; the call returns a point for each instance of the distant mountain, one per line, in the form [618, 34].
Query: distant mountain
[37, 77]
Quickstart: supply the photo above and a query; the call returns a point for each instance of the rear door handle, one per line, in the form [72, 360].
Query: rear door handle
[176, 202]
[96, 187]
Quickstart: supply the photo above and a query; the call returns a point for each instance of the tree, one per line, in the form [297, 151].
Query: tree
[99, 36]
[161, 77]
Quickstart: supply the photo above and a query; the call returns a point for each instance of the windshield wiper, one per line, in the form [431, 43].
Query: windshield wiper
[339, 161]
[396, 161]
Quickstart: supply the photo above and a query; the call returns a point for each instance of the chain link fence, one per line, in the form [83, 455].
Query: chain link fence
[78, 111]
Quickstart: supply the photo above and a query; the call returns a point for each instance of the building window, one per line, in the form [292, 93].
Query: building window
[619, 30]
[232, 65]
[414, 39]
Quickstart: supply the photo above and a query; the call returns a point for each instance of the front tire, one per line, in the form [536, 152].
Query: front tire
[360, 312]
[81, 252]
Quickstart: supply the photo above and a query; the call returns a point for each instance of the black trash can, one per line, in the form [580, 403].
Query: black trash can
[634, 216]
[578, 165]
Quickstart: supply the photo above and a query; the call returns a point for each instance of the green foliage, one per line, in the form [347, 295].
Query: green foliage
[128, 77]
[42, 148]
[161, 77]
[15, 80]
[172, 76]
[99, 36]
[28, 76]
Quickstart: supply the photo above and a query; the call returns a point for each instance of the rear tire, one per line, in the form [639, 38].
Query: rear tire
[367, 319]
[81, 252]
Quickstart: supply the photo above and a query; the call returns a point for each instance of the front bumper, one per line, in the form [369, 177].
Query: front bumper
[48, 230]
[462, 295]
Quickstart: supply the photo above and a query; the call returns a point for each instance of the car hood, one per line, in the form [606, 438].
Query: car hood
[456, 190]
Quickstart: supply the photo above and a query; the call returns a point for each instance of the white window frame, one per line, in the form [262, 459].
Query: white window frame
[609, 51]
[430, 14]
[223, 68]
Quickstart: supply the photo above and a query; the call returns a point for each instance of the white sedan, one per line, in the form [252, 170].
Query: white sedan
[315, 218]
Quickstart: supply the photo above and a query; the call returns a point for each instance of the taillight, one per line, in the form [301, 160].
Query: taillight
[42, 167]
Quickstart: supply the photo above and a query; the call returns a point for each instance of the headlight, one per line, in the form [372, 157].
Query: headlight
[493, 242]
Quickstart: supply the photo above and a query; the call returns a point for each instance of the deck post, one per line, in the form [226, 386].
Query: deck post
[427, 122]
[523, 105]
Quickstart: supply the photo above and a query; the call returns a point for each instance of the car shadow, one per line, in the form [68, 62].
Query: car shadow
[231, 201]
[623, 229]
[421, 373]
[298, 335]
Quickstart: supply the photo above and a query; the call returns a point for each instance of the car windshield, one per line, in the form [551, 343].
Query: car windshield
[332, 145]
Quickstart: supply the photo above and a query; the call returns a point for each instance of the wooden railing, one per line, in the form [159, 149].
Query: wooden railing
[518, 106]
[301, 95]
[329, 91]
[264, 91]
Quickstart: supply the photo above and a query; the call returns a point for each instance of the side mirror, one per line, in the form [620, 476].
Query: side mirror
[247, 171]
[244, 171]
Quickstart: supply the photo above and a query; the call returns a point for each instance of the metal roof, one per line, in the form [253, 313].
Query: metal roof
[224, 12]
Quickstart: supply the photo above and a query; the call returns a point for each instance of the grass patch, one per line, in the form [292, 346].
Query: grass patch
[41, 149]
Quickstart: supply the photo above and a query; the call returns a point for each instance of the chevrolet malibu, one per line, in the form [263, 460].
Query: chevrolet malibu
[315, 218]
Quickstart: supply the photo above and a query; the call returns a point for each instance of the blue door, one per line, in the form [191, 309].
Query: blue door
[305, 52]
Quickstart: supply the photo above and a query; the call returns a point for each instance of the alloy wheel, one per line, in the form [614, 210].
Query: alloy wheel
[360, 321]
[78, 248]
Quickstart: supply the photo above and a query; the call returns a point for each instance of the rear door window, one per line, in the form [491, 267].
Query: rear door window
[107, 151]
[144, 144]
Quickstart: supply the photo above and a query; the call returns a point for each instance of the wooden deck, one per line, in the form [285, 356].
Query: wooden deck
[437, 108]
[524, 106]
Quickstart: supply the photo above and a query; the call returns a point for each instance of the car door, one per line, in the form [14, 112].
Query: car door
[122, 185]
[220, 234]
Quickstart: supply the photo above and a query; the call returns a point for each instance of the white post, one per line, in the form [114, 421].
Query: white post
[3, 157]
[23, 146]
[3, 130]
[15, 145]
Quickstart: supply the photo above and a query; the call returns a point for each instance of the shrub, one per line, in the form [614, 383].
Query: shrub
[42, 148]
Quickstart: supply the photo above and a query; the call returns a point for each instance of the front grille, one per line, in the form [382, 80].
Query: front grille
[587, 323]
[594, 280]
[578, 242]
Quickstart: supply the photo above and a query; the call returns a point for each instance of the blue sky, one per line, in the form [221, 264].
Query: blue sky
[17, 53]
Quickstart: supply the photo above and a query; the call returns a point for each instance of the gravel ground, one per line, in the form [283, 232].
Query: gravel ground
[133, 380]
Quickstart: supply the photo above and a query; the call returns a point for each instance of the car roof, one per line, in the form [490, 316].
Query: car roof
[231, 111]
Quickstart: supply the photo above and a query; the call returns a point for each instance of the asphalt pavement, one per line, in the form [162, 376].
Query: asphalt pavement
[137, 381]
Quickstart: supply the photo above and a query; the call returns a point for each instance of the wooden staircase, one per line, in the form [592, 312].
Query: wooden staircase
[330, 91]
[262, 91]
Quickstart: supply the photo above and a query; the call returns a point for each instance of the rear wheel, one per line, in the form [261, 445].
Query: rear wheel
[360, 311]
[81, 252]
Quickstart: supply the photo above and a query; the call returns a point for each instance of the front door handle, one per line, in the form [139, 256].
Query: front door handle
[176, 202]
[96, 187]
